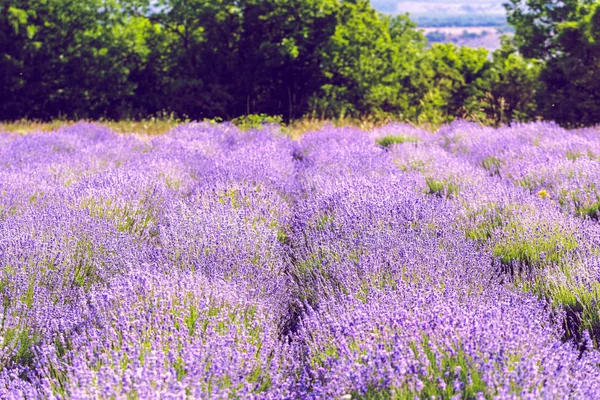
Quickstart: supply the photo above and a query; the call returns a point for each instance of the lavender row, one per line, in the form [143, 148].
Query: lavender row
[215, 263]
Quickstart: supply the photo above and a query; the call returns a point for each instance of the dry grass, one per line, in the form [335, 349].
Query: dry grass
[299, 127]
[24, 127]
[152, 126]
[162, 125]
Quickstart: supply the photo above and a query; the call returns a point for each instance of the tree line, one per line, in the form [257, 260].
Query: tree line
[199, 59]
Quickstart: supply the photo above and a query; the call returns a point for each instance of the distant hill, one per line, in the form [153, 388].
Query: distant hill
[471, 36]
[444, 13]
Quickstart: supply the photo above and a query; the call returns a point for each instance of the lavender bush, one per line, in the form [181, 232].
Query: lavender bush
[217, 263]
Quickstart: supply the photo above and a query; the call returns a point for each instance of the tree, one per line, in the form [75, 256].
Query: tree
[564, 35]
[366, 62]
[233, 57]
[64, 57]
[332, 58]
[450, 83]
[14, 34]
[513, 86]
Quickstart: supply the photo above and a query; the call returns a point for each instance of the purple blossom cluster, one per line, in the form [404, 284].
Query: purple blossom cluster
[217, 263]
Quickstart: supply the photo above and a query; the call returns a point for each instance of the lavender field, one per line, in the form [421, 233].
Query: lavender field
[217, 263]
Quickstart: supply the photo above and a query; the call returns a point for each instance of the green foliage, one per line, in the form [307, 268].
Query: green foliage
[453, 78]
[441, 188]
[459, 82]
[590, 211]
[366, 63]
[121, 58]
[565, 35]
[492, 165]
[484, 224]
[207, 59]
[517, 241]
[522, 247]
[513, 86]
[228, 58]
[282, 237]
[387, 141]
[578, 301]
[581, 306]
[549, 247]
[256, 121]
[20, 341]
[584, 201]
[66, 57]
[575, 155]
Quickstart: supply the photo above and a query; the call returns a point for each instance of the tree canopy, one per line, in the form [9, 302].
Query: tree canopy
[327, 58]
[565, 36]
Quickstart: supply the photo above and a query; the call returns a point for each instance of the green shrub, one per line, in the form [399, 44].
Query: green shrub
[581, 304]
[482, 224]
[590, 211]
[390, 140]
[441, 187]
[532, 247]
[524, 244]
[256, 121]
[492, 165]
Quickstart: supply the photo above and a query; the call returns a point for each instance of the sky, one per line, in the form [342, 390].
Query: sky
[428, 7]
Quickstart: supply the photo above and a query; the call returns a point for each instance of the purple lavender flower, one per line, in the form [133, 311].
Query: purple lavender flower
[215, 263]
